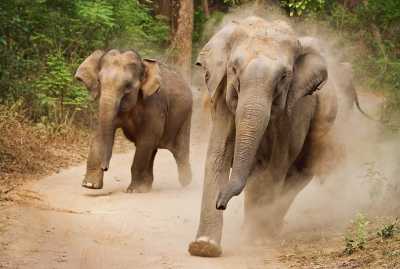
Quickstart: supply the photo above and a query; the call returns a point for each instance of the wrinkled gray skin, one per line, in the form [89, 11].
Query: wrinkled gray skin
[272, 110]
[149, 102]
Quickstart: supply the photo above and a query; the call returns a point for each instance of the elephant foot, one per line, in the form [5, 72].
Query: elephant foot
[93, 182]
[204, 247]
[139, 188]
[185, 178]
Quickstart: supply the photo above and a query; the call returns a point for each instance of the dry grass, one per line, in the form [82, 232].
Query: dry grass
[328, 251]
[29, 151]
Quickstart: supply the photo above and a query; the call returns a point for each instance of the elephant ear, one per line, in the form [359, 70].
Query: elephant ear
[309, 72]
[152, 77]
[88, 73]
[214, 57]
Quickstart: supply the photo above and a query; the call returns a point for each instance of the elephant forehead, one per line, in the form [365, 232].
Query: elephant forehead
[274, 29]
[116, 58]
[268, 48]
[113, 57]
[129, 57]
[113, 75]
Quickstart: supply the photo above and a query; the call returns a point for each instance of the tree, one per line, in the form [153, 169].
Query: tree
[181, 48]
[204, 3]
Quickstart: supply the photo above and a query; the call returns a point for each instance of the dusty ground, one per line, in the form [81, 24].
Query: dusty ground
[58, 224]
[70, 227]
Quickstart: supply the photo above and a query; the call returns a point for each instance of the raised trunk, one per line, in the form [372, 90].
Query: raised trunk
[108, 111]
[251, 122]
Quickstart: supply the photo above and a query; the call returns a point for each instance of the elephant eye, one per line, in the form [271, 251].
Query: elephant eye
[234, 70]
[207, 76]
[285, 76]
[128, 85]
[317, 87]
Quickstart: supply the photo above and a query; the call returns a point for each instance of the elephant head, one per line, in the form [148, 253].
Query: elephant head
[261, 69]
[118, 79]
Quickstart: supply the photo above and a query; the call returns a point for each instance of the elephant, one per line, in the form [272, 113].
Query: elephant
[149, 101]
[273, 109]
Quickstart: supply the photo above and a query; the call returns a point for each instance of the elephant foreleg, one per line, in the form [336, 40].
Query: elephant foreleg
[94, 174]
[218, 163]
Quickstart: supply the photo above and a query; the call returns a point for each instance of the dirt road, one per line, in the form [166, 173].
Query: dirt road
[78, 228]
[63, 225]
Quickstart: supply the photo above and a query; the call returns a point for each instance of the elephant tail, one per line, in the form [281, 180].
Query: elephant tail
[346, 70]
[362, 111]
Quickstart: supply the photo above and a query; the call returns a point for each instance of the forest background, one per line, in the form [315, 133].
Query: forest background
[45, 114]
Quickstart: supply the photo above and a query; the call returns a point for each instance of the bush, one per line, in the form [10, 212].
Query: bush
[357, 238]
[388, 230]
[299, 7]
[55, 92]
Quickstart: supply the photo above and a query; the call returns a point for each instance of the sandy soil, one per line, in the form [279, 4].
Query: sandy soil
[77, 228]
[59, 224]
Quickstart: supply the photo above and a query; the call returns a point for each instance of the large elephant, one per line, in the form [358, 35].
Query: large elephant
[272, 111]
[149, 101]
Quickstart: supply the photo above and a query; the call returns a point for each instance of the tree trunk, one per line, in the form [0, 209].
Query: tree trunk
[181, 48]
[165, 8]
[350, 4]
[204, 3]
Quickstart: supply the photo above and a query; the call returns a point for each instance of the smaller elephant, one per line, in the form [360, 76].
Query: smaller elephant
[150, 102]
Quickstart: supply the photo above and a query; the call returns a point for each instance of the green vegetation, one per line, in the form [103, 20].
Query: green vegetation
[379, 240]
[359, 235]
[300, 7]
[357, 238]
[42, 41]
[388, 230]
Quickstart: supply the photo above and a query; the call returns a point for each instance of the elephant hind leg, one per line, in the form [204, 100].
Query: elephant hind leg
[181, 152]
[266, 206]
[260, 221]
[142, 169]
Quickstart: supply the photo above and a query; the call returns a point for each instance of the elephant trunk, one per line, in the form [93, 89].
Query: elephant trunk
[108, 110]
[252, 119]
